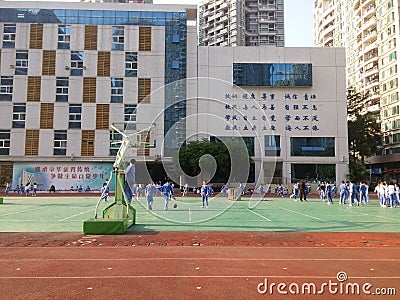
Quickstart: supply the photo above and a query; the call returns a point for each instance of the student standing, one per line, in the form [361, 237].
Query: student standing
[303, 191]
[295, 192]
[7, 189]
[104, 192]
[204, 191]
[363, 192]
[328, 189]
[27, 189]
[130, 180]
[343, 192]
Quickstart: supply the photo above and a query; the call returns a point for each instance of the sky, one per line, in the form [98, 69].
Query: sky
[298, 20]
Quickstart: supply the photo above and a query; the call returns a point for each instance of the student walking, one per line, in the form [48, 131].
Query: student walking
[104, 192]
[328, 189]
[167, 191]
[150, 191]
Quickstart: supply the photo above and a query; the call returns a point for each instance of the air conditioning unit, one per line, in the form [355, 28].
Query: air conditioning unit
[157, 157]
[66, 67]
[12, 66]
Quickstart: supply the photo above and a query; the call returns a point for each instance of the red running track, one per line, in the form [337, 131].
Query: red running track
[152, 266]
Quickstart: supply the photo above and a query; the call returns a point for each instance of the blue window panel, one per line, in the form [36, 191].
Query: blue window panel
[18, 124]
[117, 99]
[4, 151]
[312, 146]
[117, 47]
[275, 74]
[130, 73]
[74, 125]
[61, 98]
[76, 72]
[7, 44]
[62, 152]
[175, 38]
[21, 71]
[175, 64]
[5, 97]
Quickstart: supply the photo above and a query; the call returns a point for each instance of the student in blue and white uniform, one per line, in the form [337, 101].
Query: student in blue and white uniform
[363, 192]
[150, 191]
[343, 192]
[204, 191]
[167, 191]
[328, 191]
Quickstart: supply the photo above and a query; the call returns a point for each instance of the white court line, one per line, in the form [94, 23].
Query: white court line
[21, 211]
[261, 216]
[295, 212]
[195, 276]
[84, 212]
[368, 215]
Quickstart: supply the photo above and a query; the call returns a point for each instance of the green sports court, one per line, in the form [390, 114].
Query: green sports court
[67, 214]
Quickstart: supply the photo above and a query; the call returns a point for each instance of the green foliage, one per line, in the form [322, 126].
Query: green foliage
[363, 127]
[189, 156]
[357, 172]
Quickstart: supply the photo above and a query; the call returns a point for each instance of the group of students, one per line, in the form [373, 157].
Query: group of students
[388, 193]
[27, 189]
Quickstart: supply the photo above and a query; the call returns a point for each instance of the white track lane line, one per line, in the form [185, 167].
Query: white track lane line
[195, 276]
[261, 216]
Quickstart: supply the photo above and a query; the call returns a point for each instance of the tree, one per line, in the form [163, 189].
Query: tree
[231, 157]
[357, 172]
[363, 127]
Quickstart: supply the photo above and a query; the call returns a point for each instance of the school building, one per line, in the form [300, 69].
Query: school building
[70, 70]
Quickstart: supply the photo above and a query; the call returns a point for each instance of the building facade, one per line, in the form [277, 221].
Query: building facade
[369, 30]
[138, 65]
[241, 23]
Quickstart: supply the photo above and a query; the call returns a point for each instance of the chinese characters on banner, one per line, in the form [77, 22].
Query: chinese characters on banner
[271, 112]
[69, 172]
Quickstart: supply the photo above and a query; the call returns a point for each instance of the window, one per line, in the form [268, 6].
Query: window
[117, 38]
[87, 148]
[131, 64]
[21, 62]
[102, 116]
[130, 113]
[115, 137]
[5, 138]
[36, 36]
[64, 36]
[261, 74]
[144, 89]
[46, 115]
[32, 143]
[62, 84]
[75, 116]
[6, 88]
[272, 145]
[9, 35]
[60, 142]
[144, 38]
[19, 114]
[117, 90]
[76, 63]
[312, 146]
[314, 173]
